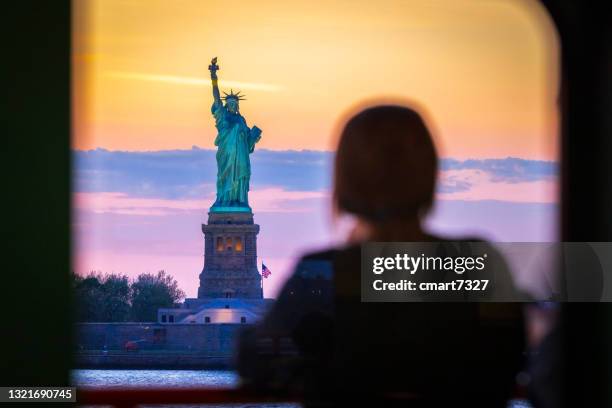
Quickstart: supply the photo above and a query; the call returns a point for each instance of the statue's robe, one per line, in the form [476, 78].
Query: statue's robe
[235, 141]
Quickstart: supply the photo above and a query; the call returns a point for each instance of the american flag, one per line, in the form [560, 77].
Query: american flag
[265, 272]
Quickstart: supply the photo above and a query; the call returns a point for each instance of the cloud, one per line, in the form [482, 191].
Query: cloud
[449, 183]
[197, 81]
[122, 203]
[268, 200]
[474, 185]
[509, 170]
[509, 179]
[191, 175]
[142, 211]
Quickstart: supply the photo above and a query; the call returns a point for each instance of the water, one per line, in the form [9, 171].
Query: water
[154, 378]
[181, 379]
[164, 378]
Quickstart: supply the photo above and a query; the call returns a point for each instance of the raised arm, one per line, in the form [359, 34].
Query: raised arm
[213, 68]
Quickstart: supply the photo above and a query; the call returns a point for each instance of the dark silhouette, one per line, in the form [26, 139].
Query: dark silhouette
[320, 340]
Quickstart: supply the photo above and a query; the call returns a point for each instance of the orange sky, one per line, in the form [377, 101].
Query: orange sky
[485, 70]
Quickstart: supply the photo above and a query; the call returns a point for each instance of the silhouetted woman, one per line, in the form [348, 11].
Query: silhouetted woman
[319, 340]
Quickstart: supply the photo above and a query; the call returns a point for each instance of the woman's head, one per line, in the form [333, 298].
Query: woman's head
[386, 165]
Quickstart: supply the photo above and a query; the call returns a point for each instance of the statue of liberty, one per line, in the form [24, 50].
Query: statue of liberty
[234, 141]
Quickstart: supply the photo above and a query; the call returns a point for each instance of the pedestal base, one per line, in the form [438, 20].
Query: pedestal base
[230, 257]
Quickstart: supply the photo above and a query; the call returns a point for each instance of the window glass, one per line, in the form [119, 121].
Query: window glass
[143, 146]
[220, 246]
[238, 244]
[484, 71]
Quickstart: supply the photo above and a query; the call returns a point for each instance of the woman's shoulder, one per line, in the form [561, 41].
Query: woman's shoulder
[343, 253]
[317, 264]
[331, 253]
[324, 263]
[320, 255]
[438, 238]
[354, 248]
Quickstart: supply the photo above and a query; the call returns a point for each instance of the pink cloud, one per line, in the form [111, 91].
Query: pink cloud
[122, 203]
[482, 186]
[266, 200]
[278, 200]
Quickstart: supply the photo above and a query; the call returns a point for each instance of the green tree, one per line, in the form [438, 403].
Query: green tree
[151, 292]
[116, 291]
[87, 297]
[101, 298]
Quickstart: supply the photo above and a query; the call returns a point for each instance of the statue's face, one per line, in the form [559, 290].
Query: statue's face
[231, 105]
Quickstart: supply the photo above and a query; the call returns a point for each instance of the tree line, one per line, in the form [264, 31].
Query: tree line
[114, 297]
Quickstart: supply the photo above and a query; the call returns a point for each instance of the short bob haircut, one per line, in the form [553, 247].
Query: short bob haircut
[386, 165]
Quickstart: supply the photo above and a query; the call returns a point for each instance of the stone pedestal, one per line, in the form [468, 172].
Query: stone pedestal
[230, 257]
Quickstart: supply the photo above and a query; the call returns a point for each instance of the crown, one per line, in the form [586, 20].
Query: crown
[237, 96]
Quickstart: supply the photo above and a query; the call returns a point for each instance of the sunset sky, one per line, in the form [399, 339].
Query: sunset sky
[484, 71]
